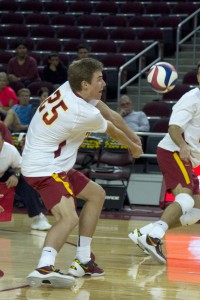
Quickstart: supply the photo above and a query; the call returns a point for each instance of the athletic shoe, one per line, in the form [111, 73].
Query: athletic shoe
[48, 276]
[153, 246]
[134, 238]
[78, 269]
[40, 222]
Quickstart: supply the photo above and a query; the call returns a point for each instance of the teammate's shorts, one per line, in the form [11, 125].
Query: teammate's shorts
[52, 188]
[177, 171]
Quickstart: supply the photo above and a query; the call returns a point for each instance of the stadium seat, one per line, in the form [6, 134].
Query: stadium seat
[12, 18]
[88, 21]
[161, 125]
[177, 92]
[150, 33]
[190, 78]
[130, 46]
[107, 46]
[36, 19]
[184, 9]
[123, 33]
[30, 6]
[161, 8]
[5, 56]
[9, 6]
[157, 108]
[35, 86]
[141, 21]
[16, 30]
[41, 30]
[48, 44]
[69, 32]
[132, 8]
[106, 7]
[95, 33]
[71, 45]
[114, 21]
[62, 19]
[56, 6]
[83, 7]
[3, 43]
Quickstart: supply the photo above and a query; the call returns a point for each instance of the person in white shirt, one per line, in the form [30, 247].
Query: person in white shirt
[177, 154]
[10, 174]
[55, 133]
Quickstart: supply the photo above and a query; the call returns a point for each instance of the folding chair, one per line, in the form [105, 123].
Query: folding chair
[113, 171]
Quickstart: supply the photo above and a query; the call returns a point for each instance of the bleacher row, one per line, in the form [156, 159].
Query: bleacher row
[98, 6]
[62, 21]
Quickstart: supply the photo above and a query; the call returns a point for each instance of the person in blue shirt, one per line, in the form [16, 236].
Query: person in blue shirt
[136, 120]
[24, 109]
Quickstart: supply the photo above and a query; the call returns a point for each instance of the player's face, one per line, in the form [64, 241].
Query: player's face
[97, 86]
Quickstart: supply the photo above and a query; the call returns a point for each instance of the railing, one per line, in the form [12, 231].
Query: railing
[141, 71]
[180, 41]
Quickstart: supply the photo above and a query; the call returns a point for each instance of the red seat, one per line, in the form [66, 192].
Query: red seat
[9, 6]
[48, 44]
[178, 91]
[157, 108]
[107, 46]
[89, 20]
[12, 18]
[132, 8]
[141, 21]
[106, 7]
[16, 30]
[150, 34]
[113, 60]
[71, 45]
[45, 31]
[123, 33]
[36, 19]
[57, 6]
[190, 78]
[69, 32]
[160, 8]
[63, 20]
[83, 7]
[115, 21]
[3, 43]
[168, 21]
[95, 33]
[33, 6]
[35, 86]
[161, 125]
[130, 46]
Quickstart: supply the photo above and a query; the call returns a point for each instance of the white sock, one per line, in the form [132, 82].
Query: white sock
[191, 217]
[146, 229]
[48, 257]
[159, 229]
[83, 250]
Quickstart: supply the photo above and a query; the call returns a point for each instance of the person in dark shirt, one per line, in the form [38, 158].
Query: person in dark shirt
[55, 71]
[22, 67]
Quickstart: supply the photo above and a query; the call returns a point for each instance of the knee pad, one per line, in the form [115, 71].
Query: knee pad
[185, 201]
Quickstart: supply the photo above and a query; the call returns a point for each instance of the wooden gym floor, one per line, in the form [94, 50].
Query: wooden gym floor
[130, 274]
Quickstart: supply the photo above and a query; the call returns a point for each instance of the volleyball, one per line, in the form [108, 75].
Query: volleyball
[162, 77]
